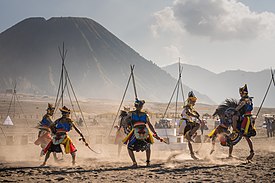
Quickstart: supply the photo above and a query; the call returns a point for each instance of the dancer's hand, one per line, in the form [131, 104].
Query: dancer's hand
[84, 140]
[162, 140]
[159, 138]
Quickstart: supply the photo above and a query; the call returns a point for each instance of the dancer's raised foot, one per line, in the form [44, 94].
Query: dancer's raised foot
[251, 155]
[194, 157]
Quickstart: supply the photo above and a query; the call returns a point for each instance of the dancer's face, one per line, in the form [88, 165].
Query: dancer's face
[139, 107]
[242, 94]
[50, 112]
[66, 115]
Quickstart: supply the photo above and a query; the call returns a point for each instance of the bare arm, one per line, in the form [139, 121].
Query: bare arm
[153, 129]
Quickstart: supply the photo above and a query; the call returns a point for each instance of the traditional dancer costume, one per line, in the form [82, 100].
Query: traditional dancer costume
[188, 114]
[140, 137]
[245, 108]
[44, 135]
[61, 127]
[243, 123]
[192, 126]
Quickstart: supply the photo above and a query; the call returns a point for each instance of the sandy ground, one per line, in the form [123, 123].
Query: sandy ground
[109, 168]
[21, 163]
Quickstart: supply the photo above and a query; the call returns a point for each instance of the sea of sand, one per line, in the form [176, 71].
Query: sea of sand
[20, 160]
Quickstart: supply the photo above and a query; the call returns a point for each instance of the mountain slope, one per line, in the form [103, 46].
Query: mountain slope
[97, 61]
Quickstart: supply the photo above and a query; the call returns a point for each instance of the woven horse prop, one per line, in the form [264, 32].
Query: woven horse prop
[226, 112]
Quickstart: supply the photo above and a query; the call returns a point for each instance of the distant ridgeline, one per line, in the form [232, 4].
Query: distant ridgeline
[97, 61]
[226, 84]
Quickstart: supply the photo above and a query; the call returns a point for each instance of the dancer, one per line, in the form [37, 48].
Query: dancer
[44, 134]
[60, 128]
[191, 127]
[140, 137]
[243, 113]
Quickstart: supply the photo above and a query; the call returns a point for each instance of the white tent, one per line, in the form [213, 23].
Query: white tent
[8, 121]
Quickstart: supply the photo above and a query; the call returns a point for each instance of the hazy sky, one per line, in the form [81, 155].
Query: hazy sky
[217, 35]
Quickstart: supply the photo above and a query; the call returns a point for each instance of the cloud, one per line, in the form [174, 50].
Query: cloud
[165, 22]
[216, 19]
[172, 51]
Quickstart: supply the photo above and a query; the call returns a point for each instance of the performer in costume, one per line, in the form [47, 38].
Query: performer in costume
[60, 128]
[123, 128]
[191, 126]
[140, 137]
[243, 112]
[44, 134]
[245, 108]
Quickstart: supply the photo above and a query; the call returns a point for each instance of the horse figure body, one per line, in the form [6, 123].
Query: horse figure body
[123, 129]
[226, 112]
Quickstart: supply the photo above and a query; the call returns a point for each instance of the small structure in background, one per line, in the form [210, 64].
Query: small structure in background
[164, 123]
[8, 121]
[14, 104]
[165, 127]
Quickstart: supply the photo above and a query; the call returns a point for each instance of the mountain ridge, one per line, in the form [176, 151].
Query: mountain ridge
[226, 84]
[97, 61]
